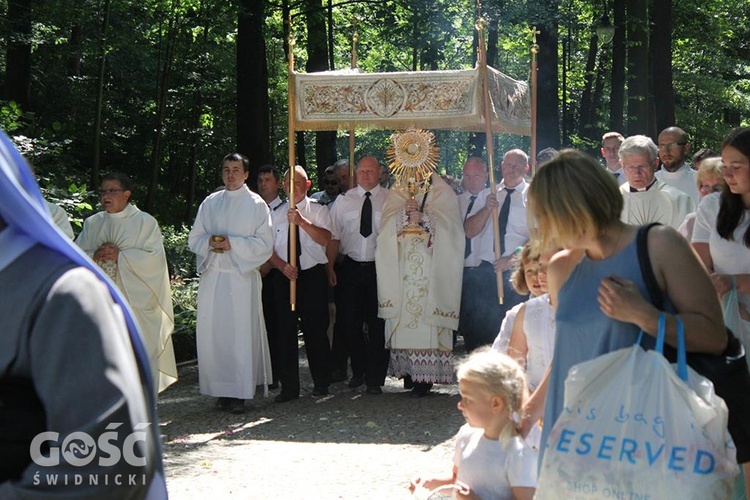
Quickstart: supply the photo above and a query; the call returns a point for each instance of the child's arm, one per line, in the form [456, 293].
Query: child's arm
[432, 482]
[518, 348]
[523, 493]
[533, 410]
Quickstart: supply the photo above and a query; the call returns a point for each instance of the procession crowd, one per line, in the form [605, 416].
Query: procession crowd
[537, 275]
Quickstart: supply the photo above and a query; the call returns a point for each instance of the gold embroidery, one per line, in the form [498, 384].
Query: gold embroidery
[387, 303]
[445, 314]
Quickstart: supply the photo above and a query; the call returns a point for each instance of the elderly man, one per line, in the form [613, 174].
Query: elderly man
[127, 244]
[673, 150]
[356, 223]
[648, 199]
[479, 275]
[611, 142]
[313, 223]
[341, 169]
[232, 237]
[514, 233]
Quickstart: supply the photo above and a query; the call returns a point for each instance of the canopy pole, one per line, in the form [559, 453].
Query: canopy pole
[489, 145]
[355, 41]
[292, 162]
[534, 52]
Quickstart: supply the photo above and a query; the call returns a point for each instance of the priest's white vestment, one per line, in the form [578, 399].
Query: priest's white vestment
[661, 203]
[142, 276]
[419, 283]
[233, 354]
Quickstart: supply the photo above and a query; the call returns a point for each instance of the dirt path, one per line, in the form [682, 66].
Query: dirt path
[347, 445]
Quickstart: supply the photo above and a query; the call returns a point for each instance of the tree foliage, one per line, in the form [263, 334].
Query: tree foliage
[170, 81]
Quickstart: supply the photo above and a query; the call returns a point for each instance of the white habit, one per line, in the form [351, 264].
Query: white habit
[142, 276]
[233, 354]
[660, 203]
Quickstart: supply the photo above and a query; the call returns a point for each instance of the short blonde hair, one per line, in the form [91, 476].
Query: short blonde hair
[710, 168]
[496, 373]
[570, 196]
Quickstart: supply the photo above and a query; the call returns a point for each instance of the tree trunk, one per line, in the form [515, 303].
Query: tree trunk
[95, 147]
[617, 96]
[587, 123]
[161, 105]
[253, 113]
[317, 60]
[548, 114]
[637, 13]
[193, 161]
[661, 65]
[18, 54]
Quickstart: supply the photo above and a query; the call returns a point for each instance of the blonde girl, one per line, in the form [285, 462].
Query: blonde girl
[491, 460]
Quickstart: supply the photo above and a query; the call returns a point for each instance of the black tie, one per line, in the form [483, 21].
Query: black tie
[365, 220]
[467, 249]
[504, 213]
[289, 245]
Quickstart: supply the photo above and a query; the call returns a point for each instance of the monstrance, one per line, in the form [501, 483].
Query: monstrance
[412, 158]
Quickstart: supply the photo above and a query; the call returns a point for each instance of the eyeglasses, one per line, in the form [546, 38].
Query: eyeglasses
[674, 146]
[716, 188]
[110, 192]
[637, 168]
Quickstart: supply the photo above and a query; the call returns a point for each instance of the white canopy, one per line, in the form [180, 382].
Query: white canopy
[447, 100]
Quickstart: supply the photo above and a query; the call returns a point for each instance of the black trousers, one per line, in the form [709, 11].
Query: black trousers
[481, 314]
[359, 304]
[312, 312]
[270, 315]
[339, 350]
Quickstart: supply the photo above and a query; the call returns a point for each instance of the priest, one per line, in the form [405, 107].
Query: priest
[127, 244]
[232, 236]
[420, 297]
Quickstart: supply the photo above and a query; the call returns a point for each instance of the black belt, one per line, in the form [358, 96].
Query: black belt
[366, 263]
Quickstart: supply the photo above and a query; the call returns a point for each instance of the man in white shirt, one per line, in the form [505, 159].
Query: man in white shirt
[269, 184]
[313, 223]
[673, 150]
[514, 233]
[611, 142]
[646, 198]
[232, 236]
[478, 257]
[356, 219]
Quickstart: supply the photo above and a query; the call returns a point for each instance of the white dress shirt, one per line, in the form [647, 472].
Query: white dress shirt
[478, 243]
[345, 215]
[312, 252]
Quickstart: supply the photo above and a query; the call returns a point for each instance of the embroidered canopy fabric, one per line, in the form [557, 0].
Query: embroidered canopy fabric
[447, 100]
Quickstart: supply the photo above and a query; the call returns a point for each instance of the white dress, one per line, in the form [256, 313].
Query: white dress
[491, 467]
[539, 327]
[233, 354]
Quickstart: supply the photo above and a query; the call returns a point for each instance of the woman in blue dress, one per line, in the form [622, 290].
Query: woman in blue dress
[595, 283]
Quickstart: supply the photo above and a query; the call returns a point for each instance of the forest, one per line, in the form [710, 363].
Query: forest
[163, 89]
